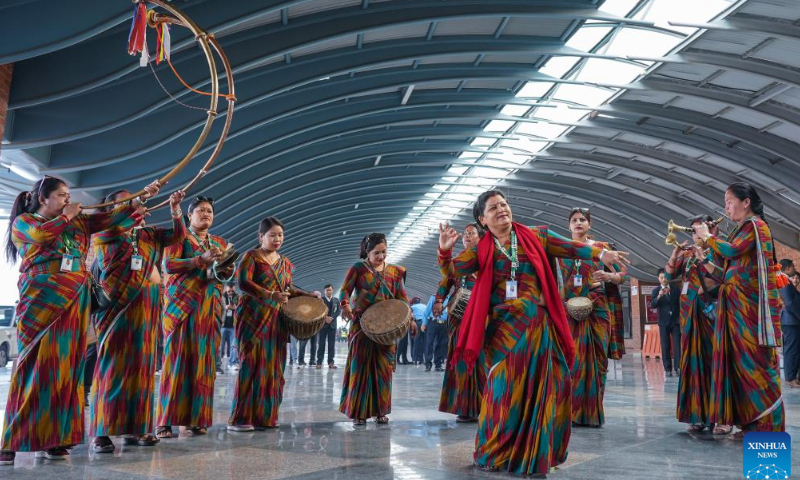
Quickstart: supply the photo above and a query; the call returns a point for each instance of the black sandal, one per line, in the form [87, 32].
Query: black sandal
[359, 422]
[146, 440]
[196, 431]
[382, 420]
[103, 445]
[164, 432]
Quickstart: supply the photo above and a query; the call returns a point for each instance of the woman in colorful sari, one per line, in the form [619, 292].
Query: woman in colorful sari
[45, 407]
[461, 387]
[367, 388]
[745, 375]
[192, 305]
[591, 337]
[265, 278]
[524, 424]
[124, 377]
[687, 265]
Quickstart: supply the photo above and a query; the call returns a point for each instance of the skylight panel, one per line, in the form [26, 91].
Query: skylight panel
[534, 89]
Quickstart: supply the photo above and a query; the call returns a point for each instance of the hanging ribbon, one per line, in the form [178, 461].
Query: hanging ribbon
[136, 37]
[163, 43]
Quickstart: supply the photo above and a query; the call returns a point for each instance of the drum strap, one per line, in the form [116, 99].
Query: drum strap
[380, 278]
[275, 274]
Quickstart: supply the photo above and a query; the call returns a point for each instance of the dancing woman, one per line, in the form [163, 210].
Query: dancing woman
[586, 278]
[524, 424]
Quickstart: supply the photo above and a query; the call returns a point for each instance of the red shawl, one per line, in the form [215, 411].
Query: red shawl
[473, 325]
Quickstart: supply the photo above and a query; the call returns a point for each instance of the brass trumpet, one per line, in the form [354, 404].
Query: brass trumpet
[672, 239]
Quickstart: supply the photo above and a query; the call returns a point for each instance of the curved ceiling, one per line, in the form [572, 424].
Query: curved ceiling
[356, 116]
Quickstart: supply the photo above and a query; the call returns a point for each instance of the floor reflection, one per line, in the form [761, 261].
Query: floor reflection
[640, 440]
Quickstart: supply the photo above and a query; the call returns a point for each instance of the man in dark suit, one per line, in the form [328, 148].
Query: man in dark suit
[666, 299]
[790, 325]
[328, 332]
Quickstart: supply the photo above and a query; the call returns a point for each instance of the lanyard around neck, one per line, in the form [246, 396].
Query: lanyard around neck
[200, 242]
[513, 256]
[134, 239]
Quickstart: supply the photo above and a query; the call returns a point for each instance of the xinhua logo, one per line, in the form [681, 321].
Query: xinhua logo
[767, 455]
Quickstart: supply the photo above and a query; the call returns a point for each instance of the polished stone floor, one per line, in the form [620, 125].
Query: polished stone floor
[641, 439]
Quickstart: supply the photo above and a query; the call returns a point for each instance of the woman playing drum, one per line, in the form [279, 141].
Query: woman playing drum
[461, 388]
[45, 407]
[745, 375]
[524, 424]
[367, 388]
[265, 278]
[193, 303]
[591, 335]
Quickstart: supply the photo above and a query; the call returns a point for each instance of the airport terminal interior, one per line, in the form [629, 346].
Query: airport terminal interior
[222, 170]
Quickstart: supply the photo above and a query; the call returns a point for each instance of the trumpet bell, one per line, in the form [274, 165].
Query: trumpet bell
[672, 227]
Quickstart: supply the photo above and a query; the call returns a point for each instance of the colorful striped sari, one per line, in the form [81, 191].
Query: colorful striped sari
[124, 376]
[697, 333]
[261, 341]
[525, 418]
[591, 338]
[461, 388]
[192, 306]
[367, 386]
[45, 404]
[745, 376]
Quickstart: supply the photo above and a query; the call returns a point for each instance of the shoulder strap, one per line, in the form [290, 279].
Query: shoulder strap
[379, 277]
[275, 274]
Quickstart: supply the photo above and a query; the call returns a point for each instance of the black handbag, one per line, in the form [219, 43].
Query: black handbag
[100, 299]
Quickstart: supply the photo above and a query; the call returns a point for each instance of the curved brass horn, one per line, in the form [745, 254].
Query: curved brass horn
[205, 42]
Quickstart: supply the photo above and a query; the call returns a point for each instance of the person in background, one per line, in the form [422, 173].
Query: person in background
[327, 334]
[292, 350]
[418, 343]
[402, 350]
[228, 344]
[790, 325]
[666, 300]
[435, 328]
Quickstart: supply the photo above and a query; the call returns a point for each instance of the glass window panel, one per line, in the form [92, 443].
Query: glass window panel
[587, 37]
[498, 126]
[583, 94]
[559, 66]
[515, 110]
[534, 89]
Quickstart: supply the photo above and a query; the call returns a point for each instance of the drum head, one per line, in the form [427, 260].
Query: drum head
[580, 302]
[385, 316]
[305, 309]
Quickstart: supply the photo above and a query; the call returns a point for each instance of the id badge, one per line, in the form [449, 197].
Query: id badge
[578, 280]
[210, 273]
[511, 290]
[685, 288]
[66, 263]
[136, 263]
